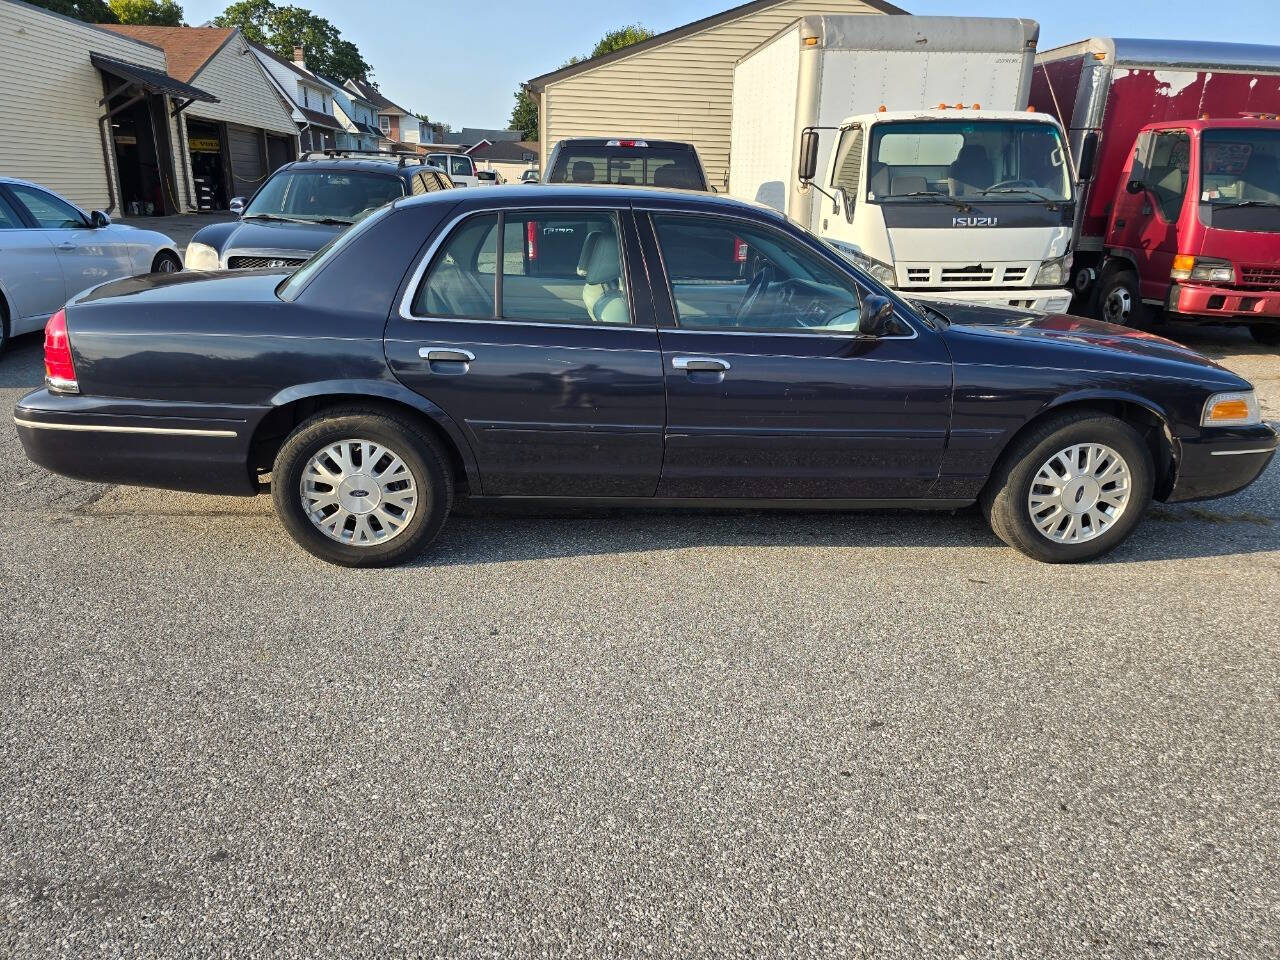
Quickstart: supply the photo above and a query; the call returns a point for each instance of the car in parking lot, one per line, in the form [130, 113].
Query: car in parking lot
[622, 346]
[304, 204]
[627, 162]
[51, 250]
[461, 168]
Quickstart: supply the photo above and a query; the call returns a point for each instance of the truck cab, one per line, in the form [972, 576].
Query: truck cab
[955, 203]
[1194, 230]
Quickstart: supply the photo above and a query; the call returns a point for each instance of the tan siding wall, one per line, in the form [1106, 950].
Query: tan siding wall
[49, 111]
[247, 96]
[682, 90]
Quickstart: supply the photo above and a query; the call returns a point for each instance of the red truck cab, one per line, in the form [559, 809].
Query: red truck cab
[1194, 230]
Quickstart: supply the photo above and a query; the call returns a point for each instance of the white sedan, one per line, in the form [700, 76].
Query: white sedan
[51, 250]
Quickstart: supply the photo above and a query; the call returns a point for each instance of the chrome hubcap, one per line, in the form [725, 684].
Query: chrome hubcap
[1119, 305]
[168, 266]
[358, 492]
[1079, 492]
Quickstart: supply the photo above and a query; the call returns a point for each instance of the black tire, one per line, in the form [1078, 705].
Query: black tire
[1004, 501]
[1266, 334]
[166, 262]
[1119, 299]
[403, 437]
[4, 326]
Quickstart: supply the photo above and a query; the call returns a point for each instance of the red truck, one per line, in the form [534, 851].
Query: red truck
[1177, 150]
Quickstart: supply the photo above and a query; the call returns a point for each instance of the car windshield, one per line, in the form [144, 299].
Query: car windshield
[988, 160]
[642, 166]
[324, 195]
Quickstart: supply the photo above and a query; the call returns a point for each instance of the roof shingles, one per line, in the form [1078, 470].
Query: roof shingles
[186, 49]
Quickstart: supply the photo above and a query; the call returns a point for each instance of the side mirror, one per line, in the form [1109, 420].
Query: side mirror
[98, 219]
[1135, 186]
[876, 316]
[237, 206]
[1088, 154]
[808, 155]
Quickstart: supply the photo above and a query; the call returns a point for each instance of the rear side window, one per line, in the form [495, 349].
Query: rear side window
[675, 167]
[9, 219]
[461, 167]
[557, 267]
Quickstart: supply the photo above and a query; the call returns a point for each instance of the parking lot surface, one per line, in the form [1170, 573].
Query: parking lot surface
[635, 734]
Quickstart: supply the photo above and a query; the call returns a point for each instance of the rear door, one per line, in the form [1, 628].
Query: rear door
[771, 392]
[533, 330]
[30, 275]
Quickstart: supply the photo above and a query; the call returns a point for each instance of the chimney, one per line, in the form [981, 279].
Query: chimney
[299, 56]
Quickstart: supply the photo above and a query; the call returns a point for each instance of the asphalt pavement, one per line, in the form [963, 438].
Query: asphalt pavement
[635, 734]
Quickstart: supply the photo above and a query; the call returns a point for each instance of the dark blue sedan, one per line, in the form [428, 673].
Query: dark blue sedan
[622, 346]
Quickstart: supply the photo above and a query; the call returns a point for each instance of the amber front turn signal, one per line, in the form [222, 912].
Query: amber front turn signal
[1231, 410]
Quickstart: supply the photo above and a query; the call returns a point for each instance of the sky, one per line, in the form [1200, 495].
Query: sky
[460, 62]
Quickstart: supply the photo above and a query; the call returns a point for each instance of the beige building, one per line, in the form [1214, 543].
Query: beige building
[677, 85]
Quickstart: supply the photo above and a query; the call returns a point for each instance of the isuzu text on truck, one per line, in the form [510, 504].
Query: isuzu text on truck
[1178, 150]
[904, 142]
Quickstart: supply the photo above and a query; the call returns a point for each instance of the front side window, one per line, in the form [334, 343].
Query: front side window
[50, 212]
[1014, 160]
[1166, 171]
[557, 267]
[730, 276]
[324, 194]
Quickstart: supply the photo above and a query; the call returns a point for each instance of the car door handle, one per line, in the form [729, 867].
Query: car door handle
[705, 364]
[445, 355]
[66, 245]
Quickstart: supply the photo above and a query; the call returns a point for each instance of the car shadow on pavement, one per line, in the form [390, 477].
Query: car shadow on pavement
[480, 535]
[22, 363]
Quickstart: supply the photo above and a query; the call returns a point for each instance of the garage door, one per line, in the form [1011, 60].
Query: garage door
[244, 144]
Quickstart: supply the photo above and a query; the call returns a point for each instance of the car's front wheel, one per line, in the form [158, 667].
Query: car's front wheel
[361, 487]
[1070, 489]
[166, 262]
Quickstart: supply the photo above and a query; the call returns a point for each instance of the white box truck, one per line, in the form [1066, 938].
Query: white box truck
[923, 164]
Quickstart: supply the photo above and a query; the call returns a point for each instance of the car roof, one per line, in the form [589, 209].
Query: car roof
[594, 195]
[366, 164]
[605, 141]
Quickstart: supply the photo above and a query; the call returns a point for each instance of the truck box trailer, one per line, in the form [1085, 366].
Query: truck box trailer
[930, 173]
[1176, 144]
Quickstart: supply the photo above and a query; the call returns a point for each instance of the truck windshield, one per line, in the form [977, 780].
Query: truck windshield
[1240, 179]
[988, 160]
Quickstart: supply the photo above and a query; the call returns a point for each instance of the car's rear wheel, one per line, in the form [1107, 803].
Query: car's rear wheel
[1267, 335]
[1071, 489]
[166, 262]
[1120, 299]
[361, 487]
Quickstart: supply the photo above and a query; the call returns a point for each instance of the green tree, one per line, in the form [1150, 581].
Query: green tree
[150, 13]
[280, 29]
[524, 115]
[622, 37]
[90, 11]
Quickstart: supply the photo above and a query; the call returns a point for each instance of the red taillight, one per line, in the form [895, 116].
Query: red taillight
[531, 238]
[59, 369]
[739, 250]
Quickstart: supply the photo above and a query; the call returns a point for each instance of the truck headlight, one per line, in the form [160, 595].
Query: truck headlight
[1053, 273]
[1231, 410]
[1208, 269]
[201, 256]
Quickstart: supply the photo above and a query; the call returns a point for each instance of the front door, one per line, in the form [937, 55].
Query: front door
[1146, 223]
[88, 256]
[771, 392]
[524, 330]
[33, 283]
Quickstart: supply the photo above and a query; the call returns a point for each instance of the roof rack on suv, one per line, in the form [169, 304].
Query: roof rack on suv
[401, 158]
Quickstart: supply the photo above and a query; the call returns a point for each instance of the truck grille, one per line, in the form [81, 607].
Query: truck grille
[1260, 278]
[261, 263]
[966, 275]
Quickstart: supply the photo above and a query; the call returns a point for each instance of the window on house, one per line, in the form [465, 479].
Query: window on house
[384, 122]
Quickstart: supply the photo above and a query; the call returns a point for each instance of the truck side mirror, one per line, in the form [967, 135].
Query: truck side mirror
[1135, 186]
[808, 155]
[876, 315]
[1088, 154]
